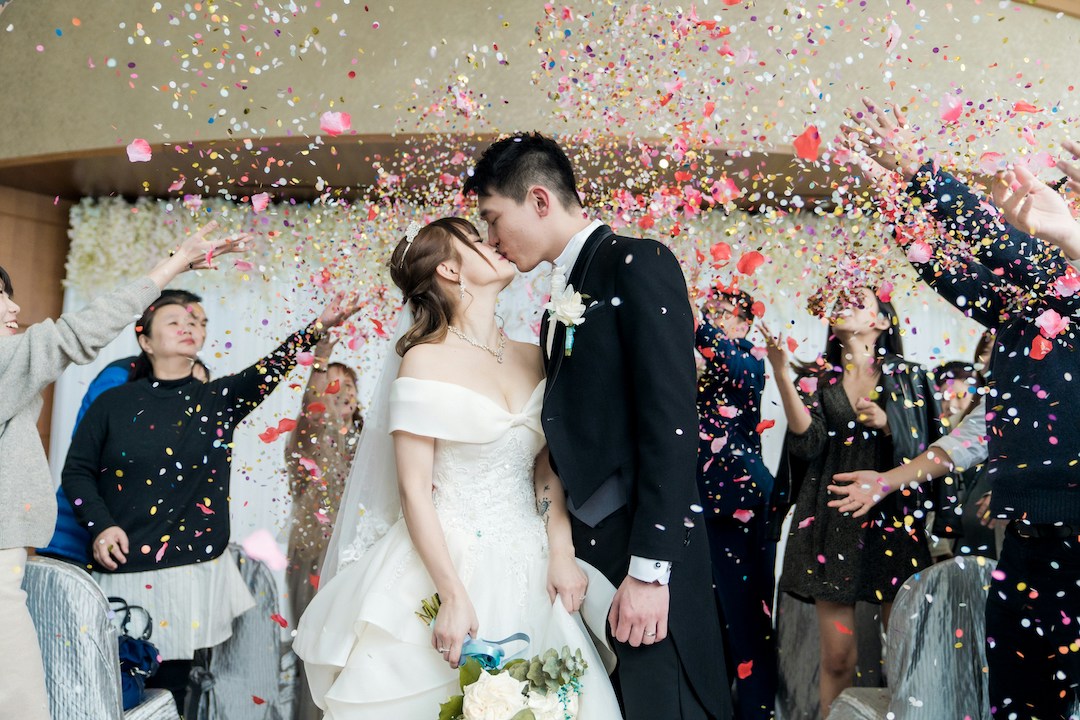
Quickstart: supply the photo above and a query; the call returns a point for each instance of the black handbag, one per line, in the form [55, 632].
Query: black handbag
[139, 658]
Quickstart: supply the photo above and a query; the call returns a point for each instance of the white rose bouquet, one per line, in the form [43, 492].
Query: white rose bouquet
[547, 687]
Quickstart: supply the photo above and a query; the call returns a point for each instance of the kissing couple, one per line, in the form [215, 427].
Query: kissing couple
[547, 491]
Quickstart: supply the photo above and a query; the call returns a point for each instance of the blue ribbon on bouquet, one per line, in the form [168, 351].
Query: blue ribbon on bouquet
[490, 653]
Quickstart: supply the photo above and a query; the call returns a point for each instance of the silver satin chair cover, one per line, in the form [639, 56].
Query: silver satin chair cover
[799, 655]
[79, 647]
[936, 659]
[243, 679]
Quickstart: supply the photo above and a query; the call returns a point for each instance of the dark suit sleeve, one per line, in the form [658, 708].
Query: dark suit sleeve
[725, 357]
[1020, 259]
[656, 335]
[252, 385]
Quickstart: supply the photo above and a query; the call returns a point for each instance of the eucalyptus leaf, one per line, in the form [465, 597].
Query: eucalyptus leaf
[453, 708]
[469, 672]
[525, 714]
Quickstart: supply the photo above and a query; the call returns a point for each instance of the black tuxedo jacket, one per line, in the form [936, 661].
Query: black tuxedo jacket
[625, 398]
[624, 401]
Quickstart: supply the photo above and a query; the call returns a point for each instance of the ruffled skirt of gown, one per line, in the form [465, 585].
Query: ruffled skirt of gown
[367, 654]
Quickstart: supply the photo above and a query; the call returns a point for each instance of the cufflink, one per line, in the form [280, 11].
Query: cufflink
[658, 566]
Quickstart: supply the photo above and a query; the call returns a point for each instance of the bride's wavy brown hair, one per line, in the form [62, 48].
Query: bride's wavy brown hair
[413, 268]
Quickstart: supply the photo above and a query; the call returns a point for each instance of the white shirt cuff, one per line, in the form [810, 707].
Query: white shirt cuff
[650, 571]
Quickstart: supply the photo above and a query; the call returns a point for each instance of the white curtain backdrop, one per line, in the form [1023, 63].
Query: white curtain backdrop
[248, 319]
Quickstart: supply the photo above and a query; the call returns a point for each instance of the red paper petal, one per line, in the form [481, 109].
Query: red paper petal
[333, 388]
[764, 425]
[746, 669]
[1025, 107]
[279, 620]
[750, 262]
[269, 435]
[316, 407]
[1040, 347]
[286, 425]
[721, 252]
[807, 144]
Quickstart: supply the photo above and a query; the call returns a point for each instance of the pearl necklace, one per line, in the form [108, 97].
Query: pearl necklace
[497, 354]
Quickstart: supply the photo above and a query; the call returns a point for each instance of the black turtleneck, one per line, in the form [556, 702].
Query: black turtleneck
[153, 457]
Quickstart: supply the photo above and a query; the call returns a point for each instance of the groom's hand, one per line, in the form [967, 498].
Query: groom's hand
[639, 612]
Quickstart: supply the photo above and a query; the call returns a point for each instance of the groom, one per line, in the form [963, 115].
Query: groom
[621, 422]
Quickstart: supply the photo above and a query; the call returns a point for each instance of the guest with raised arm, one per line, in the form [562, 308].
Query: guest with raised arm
[29, 361]
[1032, 608]
[860, 405]
[736, 491]
[148, 475]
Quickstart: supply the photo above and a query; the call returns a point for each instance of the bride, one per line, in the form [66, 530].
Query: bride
[476, 513]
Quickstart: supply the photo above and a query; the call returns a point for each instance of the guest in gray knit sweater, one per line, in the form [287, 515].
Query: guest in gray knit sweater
[29, 361]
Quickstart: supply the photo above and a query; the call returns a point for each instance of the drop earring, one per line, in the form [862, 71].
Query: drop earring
[461, 286]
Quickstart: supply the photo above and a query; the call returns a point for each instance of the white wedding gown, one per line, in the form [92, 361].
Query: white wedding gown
[366, 653]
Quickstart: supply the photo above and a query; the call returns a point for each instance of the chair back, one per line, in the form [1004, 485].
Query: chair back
[935, 662]
[78, 641]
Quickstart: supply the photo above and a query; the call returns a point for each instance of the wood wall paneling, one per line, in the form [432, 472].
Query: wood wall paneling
[33, 248]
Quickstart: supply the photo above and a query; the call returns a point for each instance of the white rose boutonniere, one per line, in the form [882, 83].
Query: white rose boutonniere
[494, 697]
[566, 306]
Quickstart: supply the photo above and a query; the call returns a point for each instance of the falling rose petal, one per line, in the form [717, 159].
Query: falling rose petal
[746, 669]
[257, 700]
[951, 108]
[333, 388]
[1051, 324]
[992, 162]
[726, 411]
[1040, 347]
[138, 151]
[884, 293]
[335, 123]
[314, 580]
[792, 344]
[305, 358]
[743, 515]
[757, 309]
[717, 444]
[243, 265]
[161, 552]
[807, 144]
[178, 184]
[1029, 136]
[260, 202]
[842, 629]
[893, 37]
[261, 545]
[803, 524]
[1025, 107]
[269, 435]
[750, 262]
[310, 465]
[808, 385]
[276, 617]
[379, 329]
[1037, 161]
[759, 353]
[286, 425]
[721, 252]
[919, 252]
[764, 425]
[707, 353]
[1068, 285]
[316, 408]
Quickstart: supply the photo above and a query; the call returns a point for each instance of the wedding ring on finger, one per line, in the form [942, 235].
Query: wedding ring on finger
[443, 650]
[650, 634]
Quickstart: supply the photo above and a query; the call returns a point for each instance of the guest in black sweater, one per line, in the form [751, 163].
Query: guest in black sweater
[148, 476]
[1027, 290]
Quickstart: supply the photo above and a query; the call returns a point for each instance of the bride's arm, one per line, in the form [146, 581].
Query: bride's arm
[415, 460]
[565, 578]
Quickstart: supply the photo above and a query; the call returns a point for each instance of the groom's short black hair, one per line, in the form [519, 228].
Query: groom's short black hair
[512, 165]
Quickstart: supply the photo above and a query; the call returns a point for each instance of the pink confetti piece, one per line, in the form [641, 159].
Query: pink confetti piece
[803, 524]
[260, 202]
[808, 384]
[1051, 323]
[139, 151]
[951, 109]
[919, 252]
[335, 123]
[750, 262]
[743, 515]
[260, 545]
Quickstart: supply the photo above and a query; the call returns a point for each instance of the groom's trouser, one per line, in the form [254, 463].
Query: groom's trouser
[650, 681]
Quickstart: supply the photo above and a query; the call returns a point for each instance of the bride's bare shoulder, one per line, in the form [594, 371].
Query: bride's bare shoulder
[423, 361]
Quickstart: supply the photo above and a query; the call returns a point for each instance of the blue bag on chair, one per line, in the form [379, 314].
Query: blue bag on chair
[138, 656]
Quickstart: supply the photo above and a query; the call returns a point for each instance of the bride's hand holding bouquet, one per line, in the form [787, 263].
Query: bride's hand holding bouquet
[456, 618]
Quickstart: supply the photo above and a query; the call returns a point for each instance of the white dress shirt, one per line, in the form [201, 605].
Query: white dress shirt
[643, 569]
[966, 444]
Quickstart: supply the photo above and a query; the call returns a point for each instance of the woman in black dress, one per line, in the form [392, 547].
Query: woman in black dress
[859, 406]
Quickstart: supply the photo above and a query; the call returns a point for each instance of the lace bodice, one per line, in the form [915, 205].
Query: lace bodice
[484, 456]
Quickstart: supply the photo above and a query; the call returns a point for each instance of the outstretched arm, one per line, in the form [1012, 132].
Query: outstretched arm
[565, 578]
